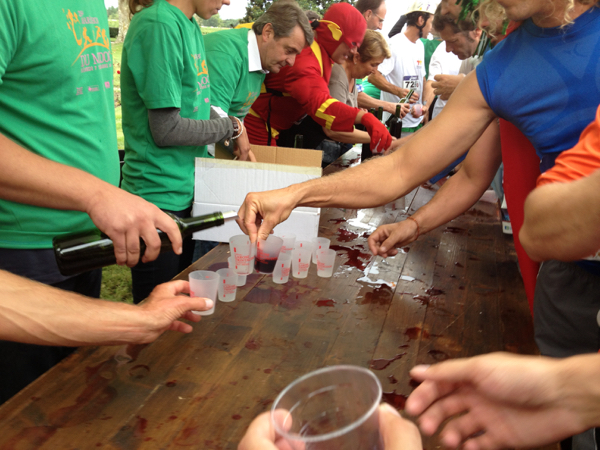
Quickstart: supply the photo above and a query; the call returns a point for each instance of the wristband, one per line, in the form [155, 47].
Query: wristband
[417, 223]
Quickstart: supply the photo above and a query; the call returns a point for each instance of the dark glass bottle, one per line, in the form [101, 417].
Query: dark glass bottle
[80, 252]
[299, 141]
[395, 124]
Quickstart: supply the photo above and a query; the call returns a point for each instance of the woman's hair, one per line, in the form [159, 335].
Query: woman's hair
[138, 5]
[283, 16]
[373, 46]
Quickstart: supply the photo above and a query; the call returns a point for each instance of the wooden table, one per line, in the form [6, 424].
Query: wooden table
[455, 292]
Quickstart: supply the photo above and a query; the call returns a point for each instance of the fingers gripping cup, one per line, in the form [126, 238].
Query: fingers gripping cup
[281, 273]
[243, 251]
[325, 260]
[301, 259]
[330, 408]
[267, 252]
[227, 285]
[204, 283]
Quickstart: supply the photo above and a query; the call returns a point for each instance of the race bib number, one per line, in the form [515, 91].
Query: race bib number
[411, 82]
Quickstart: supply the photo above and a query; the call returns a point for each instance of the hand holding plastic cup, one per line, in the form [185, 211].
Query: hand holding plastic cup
[281, 273]
[267, 252]
[241, 279]
[204, 283]
[227, 285]
[243, 251]
[325, 260]
[331, 408]
[301, 259]
[319, 243]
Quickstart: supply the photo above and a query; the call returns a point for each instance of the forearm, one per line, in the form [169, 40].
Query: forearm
[578, 379]
[169, 129]
[26, 177]
[379, 81]
[562, 220]
[355, 137]
[367, 102]
[428, 94]
[38, 314]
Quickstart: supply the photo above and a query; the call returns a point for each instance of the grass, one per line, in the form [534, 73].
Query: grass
[116, 284]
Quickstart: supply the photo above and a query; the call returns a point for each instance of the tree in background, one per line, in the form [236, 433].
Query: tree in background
[124, 19]
[257, 8]
[216, 21]
[113, 13]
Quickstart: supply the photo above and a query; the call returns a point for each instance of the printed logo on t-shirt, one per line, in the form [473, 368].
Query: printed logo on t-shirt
[202, 72]
[89, 35]
[250, 98]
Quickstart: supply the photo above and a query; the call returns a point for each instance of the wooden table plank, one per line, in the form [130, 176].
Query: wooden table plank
[454, 292]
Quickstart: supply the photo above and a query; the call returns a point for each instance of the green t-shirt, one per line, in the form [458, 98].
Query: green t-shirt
[430, 45]
[370, 89]
[233, 87]
[56, 100]
[163, 66]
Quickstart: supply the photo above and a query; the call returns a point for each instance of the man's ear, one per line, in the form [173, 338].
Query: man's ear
[267, 32]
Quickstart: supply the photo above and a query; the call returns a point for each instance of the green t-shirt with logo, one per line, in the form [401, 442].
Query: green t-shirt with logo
[163, 66]
[56, 100]
[233, 87]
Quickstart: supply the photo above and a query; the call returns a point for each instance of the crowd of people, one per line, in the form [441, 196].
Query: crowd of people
[531, 100]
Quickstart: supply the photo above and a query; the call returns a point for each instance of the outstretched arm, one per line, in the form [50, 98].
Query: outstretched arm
[29, 178]
[501, 400]
[35, 313]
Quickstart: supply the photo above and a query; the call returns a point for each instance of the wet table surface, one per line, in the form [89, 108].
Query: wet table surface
[455, 292]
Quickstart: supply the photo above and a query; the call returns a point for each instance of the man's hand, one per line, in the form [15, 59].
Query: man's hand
[384, 239]
[380, 136]
[497, 401]
[404, 92]
[126, 218]
[166, 306]
[242, 148]
[262, 211]
[397, 433]
[444, 85]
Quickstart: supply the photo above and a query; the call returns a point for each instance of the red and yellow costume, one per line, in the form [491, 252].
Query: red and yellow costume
[303, 88]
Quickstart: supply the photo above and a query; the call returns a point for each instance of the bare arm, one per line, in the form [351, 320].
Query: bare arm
[457, 195]
[35, 313]
[562, 220]
[504, 401]
[367, 102]
[379, 81]
[29, 178]
[461, 122]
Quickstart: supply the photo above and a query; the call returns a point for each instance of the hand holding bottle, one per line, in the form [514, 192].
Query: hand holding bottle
[380, 137]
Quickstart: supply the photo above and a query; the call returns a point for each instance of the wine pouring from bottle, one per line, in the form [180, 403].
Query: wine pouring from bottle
[80, 252]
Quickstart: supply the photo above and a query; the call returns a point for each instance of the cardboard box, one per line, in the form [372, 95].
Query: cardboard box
[222, 185]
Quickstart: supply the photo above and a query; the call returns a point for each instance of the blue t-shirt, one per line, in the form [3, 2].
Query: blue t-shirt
[546, 81]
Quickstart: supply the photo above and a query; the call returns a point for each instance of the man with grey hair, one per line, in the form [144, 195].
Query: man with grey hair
[373, 11]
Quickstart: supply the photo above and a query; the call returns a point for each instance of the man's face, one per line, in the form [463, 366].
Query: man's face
[208, 8]
[375, 18]
[450, 8]
[277, 53]
[459, 43]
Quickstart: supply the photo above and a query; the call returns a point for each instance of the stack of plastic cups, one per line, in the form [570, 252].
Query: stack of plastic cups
[241, 279]
[319, 244]
[227, 285]
[301, 259]
[243, 253]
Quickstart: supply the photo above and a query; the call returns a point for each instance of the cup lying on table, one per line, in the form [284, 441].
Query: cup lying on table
[331, 408]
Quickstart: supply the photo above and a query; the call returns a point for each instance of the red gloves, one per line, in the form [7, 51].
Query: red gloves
[380, 137]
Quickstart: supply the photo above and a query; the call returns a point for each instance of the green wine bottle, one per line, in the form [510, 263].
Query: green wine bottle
[299, 141]
[395, 124]
[80, 252]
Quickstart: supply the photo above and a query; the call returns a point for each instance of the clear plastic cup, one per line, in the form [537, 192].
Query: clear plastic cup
[288, 243]
[331, 408]
[319, 243]
[301, 260]
[325, 260]
[267, 252]
[281, 273]
[204, 283]
[241, 279]
[243, 251]
[227, 285]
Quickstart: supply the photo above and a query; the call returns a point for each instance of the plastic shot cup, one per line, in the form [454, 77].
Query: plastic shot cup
[227, 285]
[325, 260]
[204, 283]
[241, 279]
[267, 252]
[319, 244]
[281, 273]
[243, 252]
[301, 259]
[288, 243]
[331, 408]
